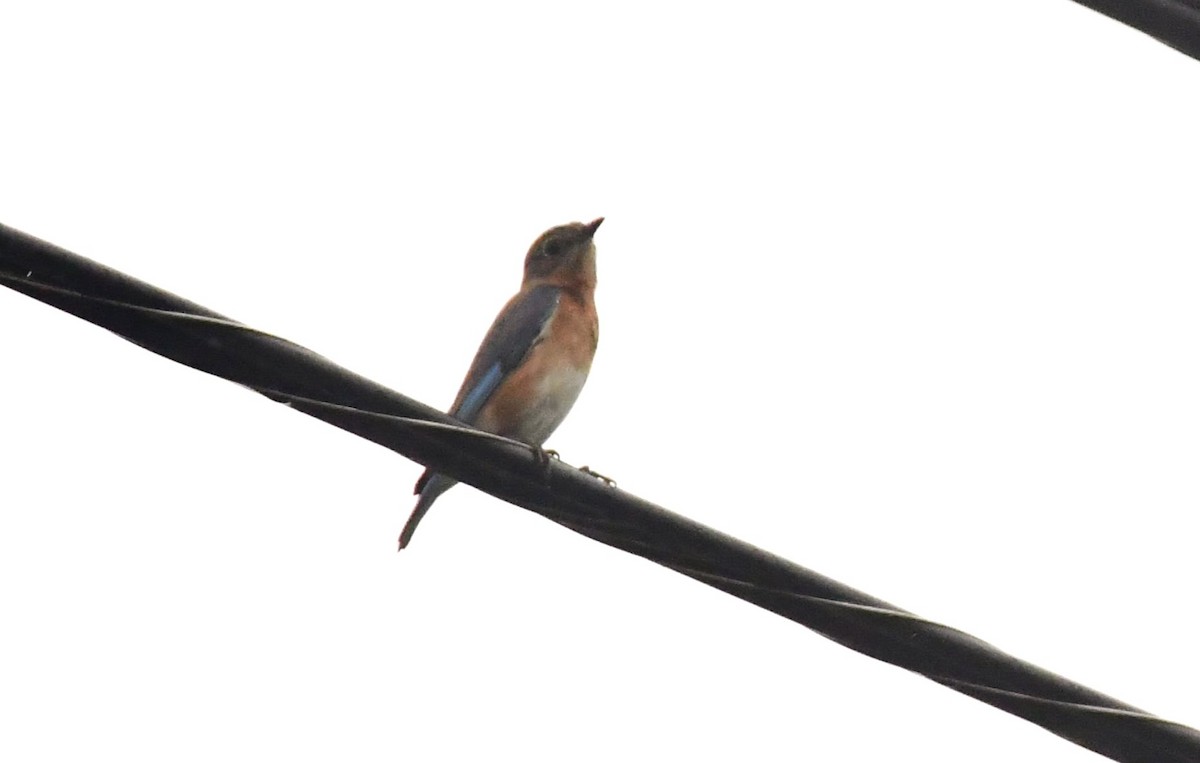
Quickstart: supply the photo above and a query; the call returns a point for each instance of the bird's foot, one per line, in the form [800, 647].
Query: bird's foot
[609, 481]
[544, 457]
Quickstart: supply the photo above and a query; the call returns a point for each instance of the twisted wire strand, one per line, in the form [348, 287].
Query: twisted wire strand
[305, 381]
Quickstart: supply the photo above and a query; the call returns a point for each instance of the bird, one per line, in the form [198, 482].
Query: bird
[534, 360]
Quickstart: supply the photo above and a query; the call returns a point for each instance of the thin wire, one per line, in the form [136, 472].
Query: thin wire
[307, 382]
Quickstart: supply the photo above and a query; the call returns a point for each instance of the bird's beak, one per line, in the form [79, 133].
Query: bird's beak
[592, 226]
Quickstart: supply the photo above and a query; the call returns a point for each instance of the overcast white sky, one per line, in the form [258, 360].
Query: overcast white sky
[905, 293]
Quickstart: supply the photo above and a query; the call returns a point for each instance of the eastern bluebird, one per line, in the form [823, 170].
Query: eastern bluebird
[536, 356]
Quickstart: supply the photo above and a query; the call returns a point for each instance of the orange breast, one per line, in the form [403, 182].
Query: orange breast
[531, 403]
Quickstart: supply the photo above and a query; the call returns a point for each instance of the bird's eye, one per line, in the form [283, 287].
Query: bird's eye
[552, 248]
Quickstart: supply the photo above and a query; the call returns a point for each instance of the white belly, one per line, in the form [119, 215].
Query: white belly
[557, 392]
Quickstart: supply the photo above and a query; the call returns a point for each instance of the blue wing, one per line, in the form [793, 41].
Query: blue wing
[513, 334]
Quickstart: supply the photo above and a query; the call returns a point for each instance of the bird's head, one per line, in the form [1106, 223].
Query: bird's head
[565, 255]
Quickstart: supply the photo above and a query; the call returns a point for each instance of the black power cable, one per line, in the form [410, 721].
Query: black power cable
[289, 373]
[1171, 22]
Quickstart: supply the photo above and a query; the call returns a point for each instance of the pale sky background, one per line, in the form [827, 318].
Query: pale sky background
[905, 293]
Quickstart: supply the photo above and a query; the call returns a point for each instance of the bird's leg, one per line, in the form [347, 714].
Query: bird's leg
[544, 456]
[609, 481]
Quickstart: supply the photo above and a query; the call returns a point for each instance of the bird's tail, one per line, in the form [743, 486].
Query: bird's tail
[429, 487]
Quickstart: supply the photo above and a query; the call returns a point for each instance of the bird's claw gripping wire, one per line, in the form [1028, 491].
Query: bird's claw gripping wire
[608, 481]
[544, 456]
